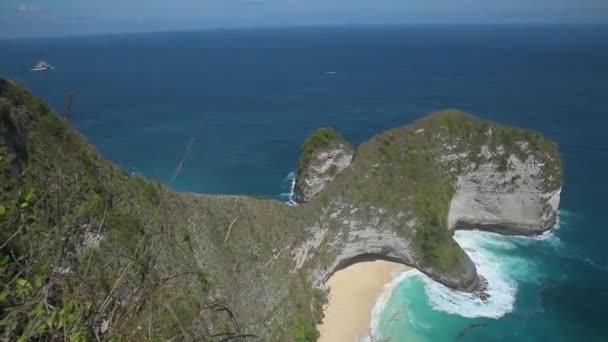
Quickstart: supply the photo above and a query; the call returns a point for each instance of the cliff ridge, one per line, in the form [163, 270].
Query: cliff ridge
[118, 256]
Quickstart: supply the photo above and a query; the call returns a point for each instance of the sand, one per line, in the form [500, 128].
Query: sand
[352, 296]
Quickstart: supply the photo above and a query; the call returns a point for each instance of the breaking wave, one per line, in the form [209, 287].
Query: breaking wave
[501, 286]
[290, 180]
[497, 262]
[384, 298]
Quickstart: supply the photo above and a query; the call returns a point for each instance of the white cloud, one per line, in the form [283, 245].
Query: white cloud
[30, 9]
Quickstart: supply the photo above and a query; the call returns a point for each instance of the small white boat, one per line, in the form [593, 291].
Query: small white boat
[42, 66]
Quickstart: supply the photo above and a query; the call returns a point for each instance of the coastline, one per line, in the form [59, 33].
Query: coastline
[353, 294]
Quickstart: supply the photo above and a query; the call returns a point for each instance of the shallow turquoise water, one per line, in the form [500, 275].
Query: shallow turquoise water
[422, 310]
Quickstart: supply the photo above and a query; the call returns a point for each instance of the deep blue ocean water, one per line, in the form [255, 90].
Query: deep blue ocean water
[249, 98]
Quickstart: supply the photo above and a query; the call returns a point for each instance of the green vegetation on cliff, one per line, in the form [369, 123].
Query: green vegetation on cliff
[502, 141]
[412, 170]
[319, 140]
[60, 278]
[89, 251]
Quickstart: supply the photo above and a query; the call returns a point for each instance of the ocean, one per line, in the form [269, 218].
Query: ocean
[248, 98]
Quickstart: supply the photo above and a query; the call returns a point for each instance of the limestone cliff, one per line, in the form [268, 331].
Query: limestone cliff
[120, 257]
[517, 200]
[408, 188]
[325, 154]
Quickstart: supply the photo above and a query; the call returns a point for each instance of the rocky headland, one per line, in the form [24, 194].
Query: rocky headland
[128, 258]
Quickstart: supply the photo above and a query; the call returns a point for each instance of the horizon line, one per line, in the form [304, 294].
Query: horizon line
[313, 26]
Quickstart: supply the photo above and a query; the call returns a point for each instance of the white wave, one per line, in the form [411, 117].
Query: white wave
[382, 301]
[562, 213]
[502, 271]
[291, 178]
[549, 236]
[501, 288]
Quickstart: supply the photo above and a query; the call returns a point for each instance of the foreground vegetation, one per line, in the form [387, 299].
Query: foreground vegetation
[90, 252]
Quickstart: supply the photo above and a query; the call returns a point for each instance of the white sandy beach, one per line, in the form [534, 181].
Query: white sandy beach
[352, 296]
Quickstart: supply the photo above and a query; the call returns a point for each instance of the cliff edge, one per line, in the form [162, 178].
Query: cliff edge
[408, 188]
[90, 251]
[324, 155]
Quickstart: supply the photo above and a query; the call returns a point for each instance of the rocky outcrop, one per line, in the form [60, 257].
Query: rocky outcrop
[243, 266]
[511, 186]
[373, 237]
[325, 154]
[512, 202]
[409, 188]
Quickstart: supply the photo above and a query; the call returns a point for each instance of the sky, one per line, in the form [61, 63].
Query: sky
[70, 17]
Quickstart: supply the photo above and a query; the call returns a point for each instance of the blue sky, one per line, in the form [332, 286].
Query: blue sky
[59, 17]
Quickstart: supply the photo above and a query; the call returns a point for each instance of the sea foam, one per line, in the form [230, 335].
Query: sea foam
[501, 286]
[384, 298]
[290, 196]
[496, 262]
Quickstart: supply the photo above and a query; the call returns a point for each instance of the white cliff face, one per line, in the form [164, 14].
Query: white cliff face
[514, 201]
[354, 235]
[408, 187]
[324, 167]
[351, 235]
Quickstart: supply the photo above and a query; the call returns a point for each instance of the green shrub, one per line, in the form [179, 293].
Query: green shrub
[318, 140]
[304, 331]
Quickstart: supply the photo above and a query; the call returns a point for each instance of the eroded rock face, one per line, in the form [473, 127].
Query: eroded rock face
[325, 155]
[517, 200]
[399, 199]
[346, 235]
[409, 188]
[375, 239]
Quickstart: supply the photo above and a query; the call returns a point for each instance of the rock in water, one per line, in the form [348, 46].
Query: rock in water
[325, 154]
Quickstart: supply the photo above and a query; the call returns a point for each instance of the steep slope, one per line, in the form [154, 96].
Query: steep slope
[89, 250]
[324, 155]
[126, 258]
[409, 187]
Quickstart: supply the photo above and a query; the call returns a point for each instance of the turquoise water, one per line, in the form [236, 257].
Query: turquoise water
[421, 310]
[250, 97]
